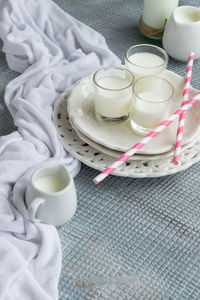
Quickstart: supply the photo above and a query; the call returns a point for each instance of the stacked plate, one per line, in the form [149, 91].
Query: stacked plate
[98, 145]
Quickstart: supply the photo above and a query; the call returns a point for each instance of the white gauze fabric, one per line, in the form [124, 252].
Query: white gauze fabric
[52, 50]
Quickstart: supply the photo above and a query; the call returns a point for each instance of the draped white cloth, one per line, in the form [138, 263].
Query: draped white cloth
[52, 50]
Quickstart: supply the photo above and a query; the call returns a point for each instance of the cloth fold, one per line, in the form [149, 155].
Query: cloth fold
[52, 50]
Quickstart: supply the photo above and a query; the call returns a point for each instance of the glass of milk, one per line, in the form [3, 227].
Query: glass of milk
[152, 102]
[145, 60]
[113, 95]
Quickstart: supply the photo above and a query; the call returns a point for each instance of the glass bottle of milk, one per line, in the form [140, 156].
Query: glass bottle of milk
[154, 16]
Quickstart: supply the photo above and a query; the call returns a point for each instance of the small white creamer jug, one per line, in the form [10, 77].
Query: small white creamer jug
[182, 33]
[51, 195]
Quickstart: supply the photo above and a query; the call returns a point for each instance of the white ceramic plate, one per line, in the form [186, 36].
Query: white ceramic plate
[98, 160]
[116, 154]
[121, 137]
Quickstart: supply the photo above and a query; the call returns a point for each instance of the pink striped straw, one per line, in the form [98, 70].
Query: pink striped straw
[147, 139]
[179, 134]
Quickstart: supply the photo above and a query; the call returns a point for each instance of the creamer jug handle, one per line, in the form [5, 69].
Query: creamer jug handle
[33, 207]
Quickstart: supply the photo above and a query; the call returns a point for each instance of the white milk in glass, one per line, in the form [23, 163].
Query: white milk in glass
[150, 114]
[152, 100]
[145, 64]
[114, 99]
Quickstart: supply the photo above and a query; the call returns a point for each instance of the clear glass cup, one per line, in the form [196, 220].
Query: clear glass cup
[146, 60]
[152, 103]
[113, 94]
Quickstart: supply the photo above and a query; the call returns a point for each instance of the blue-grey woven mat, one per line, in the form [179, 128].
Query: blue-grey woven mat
[145, 228]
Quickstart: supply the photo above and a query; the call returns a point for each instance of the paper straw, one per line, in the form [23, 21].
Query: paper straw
[179, 134]
[146, 140]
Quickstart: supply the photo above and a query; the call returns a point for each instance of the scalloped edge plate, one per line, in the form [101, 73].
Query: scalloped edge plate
[136, 169]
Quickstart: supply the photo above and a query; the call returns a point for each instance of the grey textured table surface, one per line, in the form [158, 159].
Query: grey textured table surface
[147, 228]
